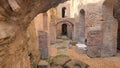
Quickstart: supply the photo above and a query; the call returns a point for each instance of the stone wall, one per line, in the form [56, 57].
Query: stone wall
[70, 29]
[13, 53]
[56, 26]
[110, 27]
[33, 47]
[52, 33]
[67, 11]
[93, 26]
[15, 17]
[99, 24]
[100, 19]
[117, 16]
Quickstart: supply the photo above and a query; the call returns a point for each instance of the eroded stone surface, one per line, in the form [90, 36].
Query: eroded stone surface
[15, 51]
[6, 33]
[63, 61]
[43, 44]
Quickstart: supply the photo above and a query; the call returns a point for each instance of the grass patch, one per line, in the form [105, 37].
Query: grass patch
[63, 47]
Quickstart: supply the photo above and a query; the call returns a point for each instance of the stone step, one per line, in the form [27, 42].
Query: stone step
[43, 64]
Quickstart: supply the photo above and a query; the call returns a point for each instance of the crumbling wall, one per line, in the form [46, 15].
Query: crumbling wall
[93, 27]
[56, 26]
[110, 27]
[101, 29]
[15, 17]
[34, 53]
[117, 16]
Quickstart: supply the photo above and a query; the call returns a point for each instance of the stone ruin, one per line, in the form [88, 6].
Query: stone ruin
[97, 18]
[43, 44]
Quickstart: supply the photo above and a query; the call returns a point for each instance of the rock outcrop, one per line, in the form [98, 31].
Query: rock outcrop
[64, 61]
[15, 17]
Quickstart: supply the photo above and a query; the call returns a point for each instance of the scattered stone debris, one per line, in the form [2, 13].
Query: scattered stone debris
[64, 61]
[43, 64]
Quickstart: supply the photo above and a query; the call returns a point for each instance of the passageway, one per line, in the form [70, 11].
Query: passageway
[64, 29]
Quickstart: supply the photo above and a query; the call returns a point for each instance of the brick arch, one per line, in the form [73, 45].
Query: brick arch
[71, 21]
[70, 27]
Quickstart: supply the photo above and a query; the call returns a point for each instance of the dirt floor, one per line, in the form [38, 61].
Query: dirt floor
[109, 62]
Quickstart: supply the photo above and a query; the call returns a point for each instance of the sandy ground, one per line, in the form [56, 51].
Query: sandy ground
[109, 62]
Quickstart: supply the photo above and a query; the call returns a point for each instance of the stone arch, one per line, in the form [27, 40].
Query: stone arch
[70, 28]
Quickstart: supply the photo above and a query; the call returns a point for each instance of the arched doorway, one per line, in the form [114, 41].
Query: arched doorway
[64, 29]
[63, 12]
[56, 29]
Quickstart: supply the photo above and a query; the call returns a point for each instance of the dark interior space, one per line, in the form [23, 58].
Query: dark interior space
[63, 12]
[118, 38]
[64, 29]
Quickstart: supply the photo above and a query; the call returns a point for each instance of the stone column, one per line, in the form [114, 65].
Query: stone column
[43, 44]
[52, 33]
[82, 27]
[94, 30]
[94, 42]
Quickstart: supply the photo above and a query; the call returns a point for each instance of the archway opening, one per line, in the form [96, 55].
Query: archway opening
[64, 29]
[63, 12]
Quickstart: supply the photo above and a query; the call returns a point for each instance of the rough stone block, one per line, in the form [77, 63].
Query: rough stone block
[94, 38]
[43, 44]
[94, 51]
[43, 64]
[94, 42]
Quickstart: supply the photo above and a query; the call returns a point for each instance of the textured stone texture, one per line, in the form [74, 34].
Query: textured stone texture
[117, 16]
[82, 27]
[15, 51]
[69, 29]
[110, 27]
[93, 25]
[56, 26]
[101, 29]
[63, 61]
[14, 47]
[94, 37]
[94, 42]
[43, 44]
[34, 53]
